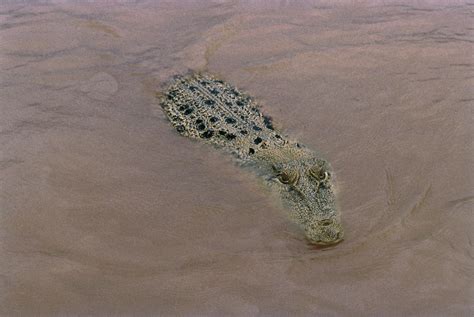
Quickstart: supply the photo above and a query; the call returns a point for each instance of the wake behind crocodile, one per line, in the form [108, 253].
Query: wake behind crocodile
[203, 107]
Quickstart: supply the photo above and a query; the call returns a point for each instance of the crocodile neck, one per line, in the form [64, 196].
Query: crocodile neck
[266, 159]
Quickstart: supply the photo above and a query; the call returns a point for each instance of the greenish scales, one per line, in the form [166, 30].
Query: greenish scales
[203, 107]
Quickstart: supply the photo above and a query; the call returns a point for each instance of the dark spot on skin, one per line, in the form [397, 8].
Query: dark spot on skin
[183, 107]
[268, 122]
[172, 94]
[255, 109]
[201, 127]
[198, 121]
[298, 145]
[240, 103]
[209, 102]
[180, 128]
[257, 140]
[213, 119]
[234, 92]
[208, 134]
[228, 103]
[277, 136]
[222, 132]
[242, 117]
[230, 120]
[203, 82]
[257, 128]
[215, 92]
[231, 136]
[188, 111]
[192, 88]
[244, 132]
[251, 151]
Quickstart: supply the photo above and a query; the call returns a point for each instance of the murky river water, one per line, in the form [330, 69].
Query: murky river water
[105, 210]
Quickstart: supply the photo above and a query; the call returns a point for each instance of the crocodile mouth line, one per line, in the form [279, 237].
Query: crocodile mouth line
[325, 244]
[328, 243]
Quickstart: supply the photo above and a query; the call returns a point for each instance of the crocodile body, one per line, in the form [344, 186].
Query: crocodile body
[203, 107]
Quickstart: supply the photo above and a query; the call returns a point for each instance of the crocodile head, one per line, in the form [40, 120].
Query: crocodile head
[306, 189]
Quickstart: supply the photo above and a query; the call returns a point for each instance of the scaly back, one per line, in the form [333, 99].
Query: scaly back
[203, 107]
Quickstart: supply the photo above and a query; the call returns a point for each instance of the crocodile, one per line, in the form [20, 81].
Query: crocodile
[204, 107]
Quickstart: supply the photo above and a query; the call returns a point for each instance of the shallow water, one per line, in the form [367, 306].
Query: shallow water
[106, 210]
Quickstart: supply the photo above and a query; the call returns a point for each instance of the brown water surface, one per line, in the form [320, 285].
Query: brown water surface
[105, 210]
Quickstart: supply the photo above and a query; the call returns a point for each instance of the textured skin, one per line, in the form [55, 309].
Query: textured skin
[202, 107]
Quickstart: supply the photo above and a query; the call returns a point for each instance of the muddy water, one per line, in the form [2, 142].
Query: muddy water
[105, 210]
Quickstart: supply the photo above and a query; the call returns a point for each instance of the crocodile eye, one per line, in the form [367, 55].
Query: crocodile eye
[318, 173]
[315, 172]
[324, 176]
[325, 222]
[288, 177]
